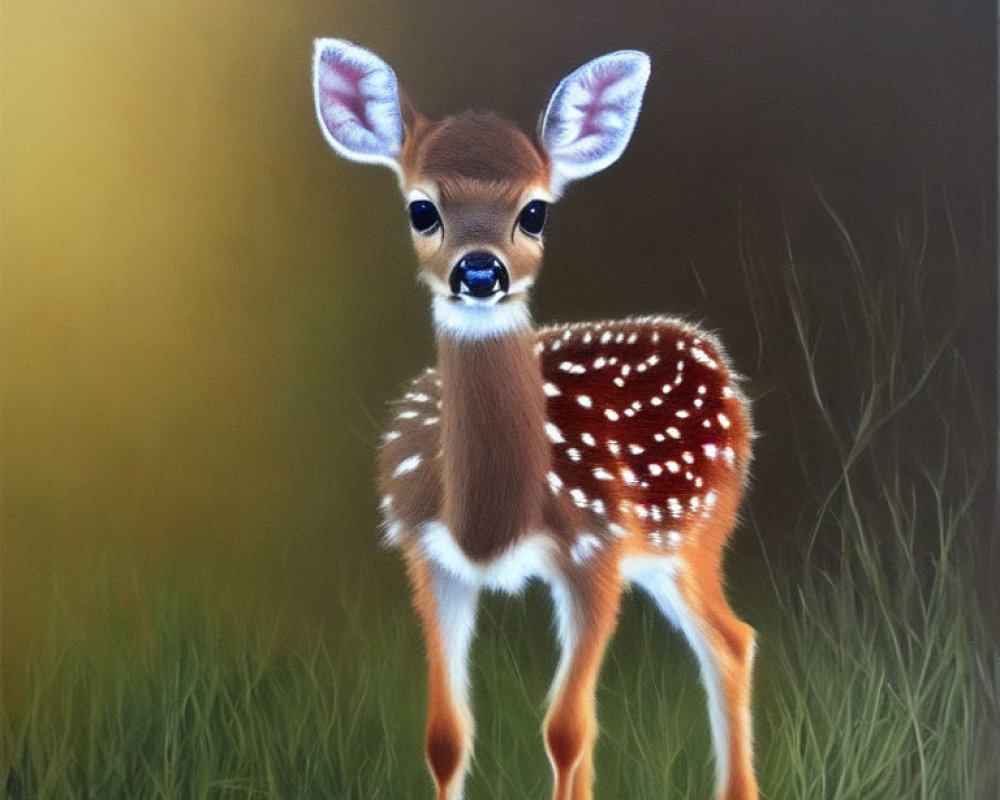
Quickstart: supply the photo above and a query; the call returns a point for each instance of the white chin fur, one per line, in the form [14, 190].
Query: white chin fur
[480, 320]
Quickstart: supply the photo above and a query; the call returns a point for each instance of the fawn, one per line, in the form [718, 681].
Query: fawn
[591, 456]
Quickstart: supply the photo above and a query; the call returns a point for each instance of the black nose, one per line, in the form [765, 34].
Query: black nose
[480, 275]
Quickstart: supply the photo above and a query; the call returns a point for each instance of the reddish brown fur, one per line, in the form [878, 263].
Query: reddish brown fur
[495, 416]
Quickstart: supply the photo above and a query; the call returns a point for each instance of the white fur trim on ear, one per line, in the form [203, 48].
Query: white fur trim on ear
[357, 102]
[591, 115]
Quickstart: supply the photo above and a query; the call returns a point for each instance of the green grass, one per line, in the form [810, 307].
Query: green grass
[864, 691]
[880, 685]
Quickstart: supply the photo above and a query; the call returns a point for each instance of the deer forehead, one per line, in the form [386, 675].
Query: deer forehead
[483, 147]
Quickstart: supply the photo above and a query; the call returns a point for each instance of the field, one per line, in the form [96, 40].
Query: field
[868, 686]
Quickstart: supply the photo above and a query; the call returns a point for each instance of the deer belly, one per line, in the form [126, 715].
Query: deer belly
[532, 556]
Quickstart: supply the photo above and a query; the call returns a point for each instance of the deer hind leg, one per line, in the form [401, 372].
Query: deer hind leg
[586, 611]
[694, 601]
[447, 609]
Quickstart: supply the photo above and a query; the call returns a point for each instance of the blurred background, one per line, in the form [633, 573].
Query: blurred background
[205, 311]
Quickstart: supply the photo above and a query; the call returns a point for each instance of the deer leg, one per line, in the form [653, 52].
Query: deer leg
[724, 646]
[586, 613]
[447, 610]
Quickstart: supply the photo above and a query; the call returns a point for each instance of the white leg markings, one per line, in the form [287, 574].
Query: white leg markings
[456, 607]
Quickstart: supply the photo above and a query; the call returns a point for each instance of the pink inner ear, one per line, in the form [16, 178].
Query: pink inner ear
[340, 87]
[593, 108]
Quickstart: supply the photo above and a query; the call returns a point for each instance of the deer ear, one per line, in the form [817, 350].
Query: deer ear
[357, 103]
[591, 115]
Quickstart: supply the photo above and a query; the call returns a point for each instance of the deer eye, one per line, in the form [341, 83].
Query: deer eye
[532, 218]
[424, 216]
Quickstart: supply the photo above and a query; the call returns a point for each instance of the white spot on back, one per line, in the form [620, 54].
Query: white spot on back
[393, 533]
[703, 358]
[407, 465]
[554, 434]
[555, 482]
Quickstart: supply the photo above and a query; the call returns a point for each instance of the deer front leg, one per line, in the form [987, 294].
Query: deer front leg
[586, 608]
[447, 610]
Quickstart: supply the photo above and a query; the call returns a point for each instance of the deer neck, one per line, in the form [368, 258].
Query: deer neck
[495, 450]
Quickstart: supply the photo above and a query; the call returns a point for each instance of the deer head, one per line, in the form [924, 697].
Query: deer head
[477, 188]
